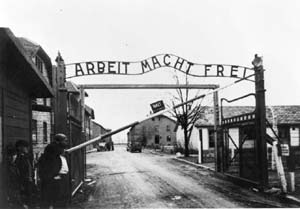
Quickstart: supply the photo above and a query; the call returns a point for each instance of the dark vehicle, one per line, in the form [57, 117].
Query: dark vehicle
[101, 147]
[109, 146]
[133, 146]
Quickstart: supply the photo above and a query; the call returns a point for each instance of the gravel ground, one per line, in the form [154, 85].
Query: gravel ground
[147, 180]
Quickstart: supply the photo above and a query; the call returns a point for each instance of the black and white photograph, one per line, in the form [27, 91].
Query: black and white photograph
[149, 104]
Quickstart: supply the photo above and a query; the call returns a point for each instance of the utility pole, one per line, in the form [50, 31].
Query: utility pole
[260, 122]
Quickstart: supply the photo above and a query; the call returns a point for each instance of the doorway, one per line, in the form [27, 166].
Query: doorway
[156, 139]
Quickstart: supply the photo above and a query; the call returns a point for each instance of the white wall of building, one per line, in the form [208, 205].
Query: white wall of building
[195, 138]
[205, 139]
[294, 133]
[234, 133]
[180, 137]
[39, 142]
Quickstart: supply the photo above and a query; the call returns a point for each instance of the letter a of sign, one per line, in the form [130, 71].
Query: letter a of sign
[157, 106]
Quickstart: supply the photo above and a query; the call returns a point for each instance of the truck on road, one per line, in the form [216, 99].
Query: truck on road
[134, 145]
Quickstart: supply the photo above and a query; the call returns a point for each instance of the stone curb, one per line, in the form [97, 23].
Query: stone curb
[92, 150]
[292, 198]
[194, 164]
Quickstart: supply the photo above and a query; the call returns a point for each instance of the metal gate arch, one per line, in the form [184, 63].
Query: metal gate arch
[256, 118]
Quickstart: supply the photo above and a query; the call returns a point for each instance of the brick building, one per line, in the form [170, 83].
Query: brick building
[155, 132]
[88, 117]
[97, 130]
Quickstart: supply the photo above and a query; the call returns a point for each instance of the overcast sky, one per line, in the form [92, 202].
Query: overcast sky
[225, 32]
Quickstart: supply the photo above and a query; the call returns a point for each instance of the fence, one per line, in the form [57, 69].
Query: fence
[76, 158]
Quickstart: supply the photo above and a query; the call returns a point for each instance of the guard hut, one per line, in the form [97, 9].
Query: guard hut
[20, 83]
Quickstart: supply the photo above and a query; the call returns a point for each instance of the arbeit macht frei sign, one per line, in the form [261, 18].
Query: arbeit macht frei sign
[155, 62]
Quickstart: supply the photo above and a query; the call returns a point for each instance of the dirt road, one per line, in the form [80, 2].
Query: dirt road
[147, 180]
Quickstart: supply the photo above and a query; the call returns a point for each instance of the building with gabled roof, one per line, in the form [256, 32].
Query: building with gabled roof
[42, 108]
[99, 130]
[39, 57]
[20, 82]
[283, 118]
[155, 132]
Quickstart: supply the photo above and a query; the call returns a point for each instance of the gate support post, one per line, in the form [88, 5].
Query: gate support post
[60, 108]
[83, 134]
[60, 114]
[260, 122]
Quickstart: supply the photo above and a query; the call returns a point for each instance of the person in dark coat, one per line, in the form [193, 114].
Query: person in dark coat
[24, 172]
[53, 171]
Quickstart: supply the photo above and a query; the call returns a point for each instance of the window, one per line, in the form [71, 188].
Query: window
[168, 138]
[168, 128]
[284, 134]
[211, 138]
[45, 132]
[34, 131]
[39, 64]
[156, 139]
[156, 128]
[45, 101]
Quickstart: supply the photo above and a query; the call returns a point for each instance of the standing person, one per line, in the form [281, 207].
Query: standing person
[112, 146]
[25, 172]
[13, 187]
[53, 172]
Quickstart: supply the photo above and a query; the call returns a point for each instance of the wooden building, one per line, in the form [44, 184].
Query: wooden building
[285, 120]
[20, 83]
[42, 111]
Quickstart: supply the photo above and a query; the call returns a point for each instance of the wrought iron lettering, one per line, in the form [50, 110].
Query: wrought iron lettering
[155, 62]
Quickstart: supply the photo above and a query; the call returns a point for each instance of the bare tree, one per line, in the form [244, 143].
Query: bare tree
[188, 114]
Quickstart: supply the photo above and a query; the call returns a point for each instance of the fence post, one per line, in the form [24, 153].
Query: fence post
[291, 164]
[200, 147]
[260, 122]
